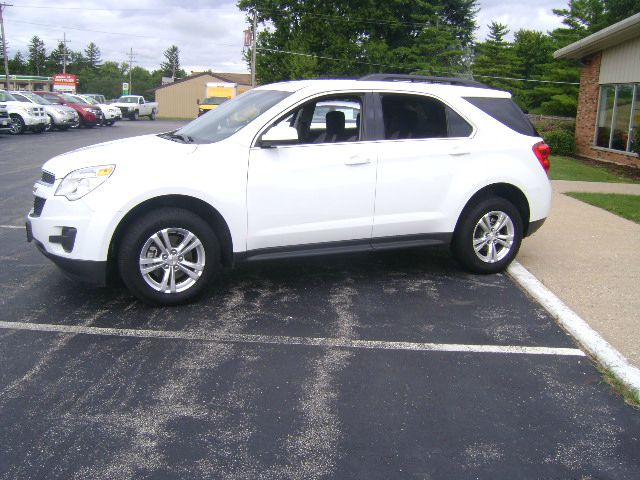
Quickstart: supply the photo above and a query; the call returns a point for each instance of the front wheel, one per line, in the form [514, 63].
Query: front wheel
[488, 235]
[135, 115]
[168, 256]
[17, 125]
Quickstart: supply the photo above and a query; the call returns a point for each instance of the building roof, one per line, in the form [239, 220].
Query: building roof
[613, 35]
[239, 78]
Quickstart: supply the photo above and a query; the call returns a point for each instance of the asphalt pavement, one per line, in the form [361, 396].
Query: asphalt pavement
[386, 365]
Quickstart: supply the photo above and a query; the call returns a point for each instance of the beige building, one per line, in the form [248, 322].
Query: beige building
[180, 99]
[608, 120]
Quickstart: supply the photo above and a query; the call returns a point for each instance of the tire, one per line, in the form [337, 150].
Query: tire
[479, 245]
[145, 243]
[135, 115]
[49, 127]
[17, 125]
[153, 114]
[110, 123]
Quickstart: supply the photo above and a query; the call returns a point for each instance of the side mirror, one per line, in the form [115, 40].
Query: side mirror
[278, 136]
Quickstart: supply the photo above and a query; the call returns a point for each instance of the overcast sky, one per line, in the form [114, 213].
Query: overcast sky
[208, 33]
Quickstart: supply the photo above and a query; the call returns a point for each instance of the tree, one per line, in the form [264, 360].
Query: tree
[171, 66]
[584, 17]
[17, 64]
[92, 55]
[55, 61]
[496, 57]
[352, 37]
[37, 56]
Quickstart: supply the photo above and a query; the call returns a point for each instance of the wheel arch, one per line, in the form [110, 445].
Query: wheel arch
[196, 205]
[507, 191]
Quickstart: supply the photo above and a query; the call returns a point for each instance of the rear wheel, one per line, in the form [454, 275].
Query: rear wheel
[168, 256]
[153, 114]
[488, 235]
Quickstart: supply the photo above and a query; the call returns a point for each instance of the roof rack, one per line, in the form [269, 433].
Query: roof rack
[399, 77]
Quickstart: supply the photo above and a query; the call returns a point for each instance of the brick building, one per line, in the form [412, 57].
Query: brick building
[608, 120]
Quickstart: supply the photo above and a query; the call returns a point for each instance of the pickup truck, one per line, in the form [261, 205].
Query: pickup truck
[5, 121]
[135, 106]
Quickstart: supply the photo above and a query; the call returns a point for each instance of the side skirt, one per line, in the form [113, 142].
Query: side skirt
[343, 247]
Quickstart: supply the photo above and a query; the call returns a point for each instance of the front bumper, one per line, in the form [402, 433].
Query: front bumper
[34, 122]
[70, 233]
[89, 271]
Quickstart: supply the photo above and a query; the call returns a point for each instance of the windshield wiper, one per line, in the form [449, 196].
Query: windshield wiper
[176, 137]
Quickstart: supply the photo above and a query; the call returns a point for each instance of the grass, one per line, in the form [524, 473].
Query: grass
[632, 397]
[626, 206]
[567, 168]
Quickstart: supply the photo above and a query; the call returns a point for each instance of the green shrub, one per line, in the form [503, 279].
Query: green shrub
[562, 142]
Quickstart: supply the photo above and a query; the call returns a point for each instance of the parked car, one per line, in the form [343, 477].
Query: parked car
[60, 116]
[135, 106]
[5, 121]
[110, 114]
[24, 117]
[89, 115]
[430, 162]
[97, 97]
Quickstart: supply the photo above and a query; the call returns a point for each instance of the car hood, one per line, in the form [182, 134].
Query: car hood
[146, 149]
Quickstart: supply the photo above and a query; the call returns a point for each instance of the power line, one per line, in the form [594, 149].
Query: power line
[408, 68]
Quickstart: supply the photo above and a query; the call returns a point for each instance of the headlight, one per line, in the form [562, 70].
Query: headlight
[80, 182]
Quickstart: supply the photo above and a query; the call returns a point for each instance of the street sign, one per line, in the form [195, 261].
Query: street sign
[248, 37]
[125, 88]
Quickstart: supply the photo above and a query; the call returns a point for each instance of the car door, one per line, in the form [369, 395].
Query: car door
[319, 190]
[425, 143]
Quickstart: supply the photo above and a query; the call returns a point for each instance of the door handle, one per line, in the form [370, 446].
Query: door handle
[456, 151]
[357, 160]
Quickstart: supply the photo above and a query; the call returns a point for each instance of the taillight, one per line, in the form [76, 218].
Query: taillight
[543, 152]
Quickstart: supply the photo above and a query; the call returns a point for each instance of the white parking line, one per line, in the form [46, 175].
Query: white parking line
[17, 227]
[281, 340]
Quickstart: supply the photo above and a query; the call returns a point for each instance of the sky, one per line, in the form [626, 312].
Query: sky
[208, 33]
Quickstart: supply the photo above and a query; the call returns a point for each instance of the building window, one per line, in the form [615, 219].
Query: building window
[618, 117]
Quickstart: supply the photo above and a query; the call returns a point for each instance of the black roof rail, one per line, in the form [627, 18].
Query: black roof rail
[400, 77]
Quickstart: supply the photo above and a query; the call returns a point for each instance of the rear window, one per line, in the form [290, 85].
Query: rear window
[506, 112]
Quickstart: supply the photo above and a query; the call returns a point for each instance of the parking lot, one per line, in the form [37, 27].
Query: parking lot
[386, 365]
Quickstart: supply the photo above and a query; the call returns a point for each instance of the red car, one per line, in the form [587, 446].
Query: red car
[90, 115]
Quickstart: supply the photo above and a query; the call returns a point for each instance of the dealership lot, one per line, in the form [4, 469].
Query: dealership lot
[388, 365]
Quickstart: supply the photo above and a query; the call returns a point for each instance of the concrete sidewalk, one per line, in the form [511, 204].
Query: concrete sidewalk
[590, 259]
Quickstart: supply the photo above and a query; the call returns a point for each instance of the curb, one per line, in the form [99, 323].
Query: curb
[589, 339]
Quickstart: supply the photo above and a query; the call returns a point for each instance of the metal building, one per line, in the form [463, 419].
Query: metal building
[180, 98]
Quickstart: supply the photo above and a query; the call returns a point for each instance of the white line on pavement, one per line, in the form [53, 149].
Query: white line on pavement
[281, 340]
[17, 227]
[592, 342]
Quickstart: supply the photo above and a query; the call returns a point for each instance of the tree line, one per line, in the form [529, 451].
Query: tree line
[350, 38]
[94, 74]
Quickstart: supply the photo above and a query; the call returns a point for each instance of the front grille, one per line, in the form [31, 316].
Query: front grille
[48, 178]
[38, 205]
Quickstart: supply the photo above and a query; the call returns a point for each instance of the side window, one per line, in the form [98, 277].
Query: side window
[20, 98]
[326, 120]
[413, 116]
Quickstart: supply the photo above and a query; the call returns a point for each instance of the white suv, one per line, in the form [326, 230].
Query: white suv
[425, 161]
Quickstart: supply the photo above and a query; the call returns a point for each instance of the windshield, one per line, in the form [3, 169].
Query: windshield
[35, 98]
[90, 100]
[79, 100]
[231, 116]
[128, 100]
[7, 97]
[214, 100]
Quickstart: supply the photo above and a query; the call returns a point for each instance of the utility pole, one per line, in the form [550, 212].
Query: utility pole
[253, 49]
[130, 68]
[4, 44]
[64, 52]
